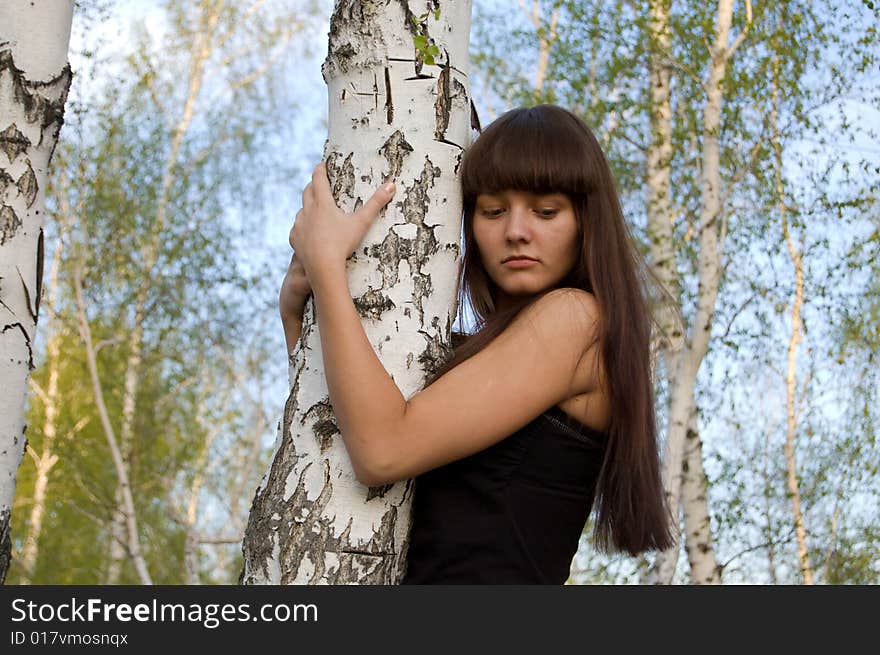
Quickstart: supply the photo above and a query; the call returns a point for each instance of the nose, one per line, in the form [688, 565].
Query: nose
[517, 227]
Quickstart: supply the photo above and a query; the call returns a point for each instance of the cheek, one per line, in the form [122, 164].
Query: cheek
[482, 238]
[570, 250]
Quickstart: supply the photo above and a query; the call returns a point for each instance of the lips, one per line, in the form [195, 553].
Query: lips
[519, 258]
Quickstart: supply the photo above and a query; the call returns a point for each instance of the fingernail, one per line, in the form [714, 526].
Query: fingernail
[389, 187]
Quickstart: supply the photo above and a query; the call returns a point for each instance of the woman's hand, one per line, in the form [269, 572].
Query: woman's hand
[295, 290]
[323, 235]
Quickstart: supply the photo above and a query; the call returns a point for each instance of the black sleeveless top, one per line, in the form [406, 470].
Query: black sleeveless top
[510, 514]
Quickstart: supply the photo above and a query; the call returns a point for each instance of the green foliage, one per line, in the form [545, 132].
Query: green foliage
[426, 49]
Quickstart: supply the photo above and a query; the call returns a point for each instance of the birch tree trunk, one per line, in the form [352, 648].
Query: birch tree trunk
[545, 41]
[695, 508]
[391, 116]
[202, 47]
[684, 371]
[34, 80]
[797, 261]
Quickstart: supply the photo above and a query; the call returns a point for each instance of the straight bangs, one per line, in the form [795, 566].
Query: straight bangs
[541, 149]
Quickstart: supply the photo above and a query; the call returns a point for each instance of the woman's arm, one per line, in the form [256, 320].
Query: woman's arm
[295, 291]
[532, 365]
[366, 401]
[292, 331]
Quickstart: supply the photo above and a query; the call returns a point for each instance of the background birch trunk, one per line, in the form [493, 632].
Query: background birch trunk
[695, 508]
[34, 80]
[201, 51]
[796, 256]
[545, 40]
[392, 116]
[710, 233]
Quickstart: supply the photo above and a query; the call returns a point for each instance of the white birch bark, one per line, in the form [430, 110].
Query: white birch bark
[795, 338]
[684, 371]
[391, 117]
[695, 508]
[34, 80]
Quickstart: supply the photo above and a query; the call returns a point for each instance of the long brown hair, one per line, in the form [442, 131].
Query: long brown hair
[546, 149]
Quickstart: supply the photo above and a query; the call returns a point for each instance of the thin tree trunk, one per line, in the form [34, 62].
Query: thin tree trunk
[133, 543]
[391, 117]
[660, 214]
[545, 41]
[711, 235]
[34, 80]
[795, 338]
[769, 529]
[202, 49]
[695, 508]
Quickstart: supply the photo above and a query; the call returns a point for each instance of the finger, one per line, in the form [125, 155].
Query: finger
[321, 184]
[295, 220]
[377, 201]
[308, 196]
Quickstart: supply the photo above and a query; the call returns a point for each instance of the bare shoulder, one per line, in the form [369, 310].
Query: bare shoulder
[568, 314]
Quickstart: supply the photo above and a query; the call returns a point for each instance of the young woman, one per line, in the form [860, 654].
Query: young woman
[545, 410]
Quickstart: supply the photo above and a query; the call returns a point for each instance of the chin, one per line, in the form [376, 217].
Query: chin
[521, 290]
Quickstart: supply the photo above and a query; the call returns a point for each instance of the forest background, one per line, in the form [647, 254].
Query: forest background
[191, 129]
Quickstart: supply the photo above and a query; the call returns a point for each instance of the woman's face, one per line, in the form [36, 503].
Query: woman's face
[542, 228]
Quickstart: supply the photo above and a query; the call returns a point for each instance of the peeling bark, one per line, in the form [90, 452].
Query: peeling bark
[311, 522]
[34, 80]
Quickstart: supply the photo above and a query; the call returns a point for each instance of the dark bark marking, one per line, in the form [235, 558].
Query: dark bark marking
[342, 176]
[449, 90]
[323, 421]
[43, 102]
[27, 297]
[13, 142]
[5, 182]
[256, 546]
[27, 186]
[352, 23]
[395, 150]
[373, 304]
[442, 105]
[475, 120]
[9, 223]
[5, 542]
[394, 249]
[40, 261]
[378, 492]
[27, 341]
[436, 351]
[389, 105]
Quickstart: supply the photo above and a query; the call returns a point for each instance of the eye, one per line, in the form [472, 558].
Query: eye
[547, 212]
[492, 212]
